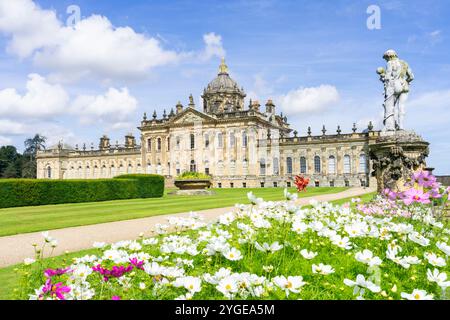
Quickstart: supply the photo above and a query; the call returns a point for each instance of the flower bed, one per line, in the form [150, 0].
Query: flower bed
[268, 250]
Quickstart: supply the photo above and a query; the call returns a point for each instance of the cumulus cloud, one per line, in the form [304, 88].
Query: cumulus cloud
[213, 47]
[4, 141]
[115, 106]
[93, 46]
[11, 127]
[40, 100]
[312, 99]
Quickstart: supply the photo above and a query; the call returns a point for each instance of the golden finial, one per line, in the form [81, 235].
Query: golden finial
[223, 67]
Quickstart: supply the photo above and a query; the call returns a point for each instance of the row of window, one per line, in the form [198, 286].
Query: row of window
[347, 166]
[192, 141]
[331, 183]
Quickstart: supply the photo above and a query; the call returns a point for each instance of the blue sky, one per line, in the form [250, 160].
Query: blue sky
[321, 51]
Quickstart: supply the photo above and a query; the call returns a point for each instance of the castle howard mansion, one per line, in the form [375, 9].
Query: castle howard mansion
[239, 146]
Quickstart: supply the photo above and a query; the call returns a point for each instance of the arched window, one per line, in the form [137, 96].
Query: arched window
[130, 168]
[232, 140]
[168, 143]
[219, 140]
[149, 167]
[159, 144]
[49, 172]
[207, 167]
[192, 141]
[178, 142]
[113, 170]
[149, 145]
[244, 140]
[289, 165]
[302, 165]
[206, 140]
[362, 163]
[332, 165]
[276, 166]
[317, 164]
[347, 164]
[193, 167]
[262, 166]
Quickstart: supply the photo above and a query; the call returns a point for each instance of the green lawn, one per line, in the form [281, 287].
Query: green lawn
[41, 218]
[9, 278]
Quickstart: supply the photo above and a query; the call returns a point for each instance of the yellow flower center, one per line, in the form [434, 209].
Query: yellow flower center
[417, 296]
[289, 285]
[228, 287]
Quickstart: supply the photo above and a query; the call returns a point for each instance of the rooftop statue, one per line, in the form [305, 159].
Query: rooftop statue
[396, 78]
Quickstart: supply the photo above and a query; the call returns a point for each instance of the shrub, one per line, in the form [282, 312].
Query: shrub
[193, 176]
[33, 192]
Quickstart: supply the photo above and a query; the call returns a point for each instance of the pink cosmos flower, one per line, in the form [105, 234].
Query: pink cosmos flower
[137, 264]
[115, 272]
[55, 290]
[391, 195]
[424, 178]
[448, 190]
[414, 195]
[55, 272]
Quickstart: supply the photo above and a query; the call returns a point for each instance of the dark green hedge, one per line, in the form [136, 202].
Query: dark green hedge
[33, 192]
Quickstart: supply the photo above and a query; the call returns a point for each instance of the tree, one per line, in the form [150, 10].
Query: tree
[32, 145]
[10, 162]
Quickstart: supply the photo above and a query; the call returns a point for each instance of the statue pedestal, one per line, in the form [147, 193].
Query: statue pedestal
[395, 157]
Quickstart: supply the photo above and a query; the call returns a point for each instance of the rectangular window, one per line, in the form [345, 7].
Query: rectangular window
[231, 185]
[262, 184]
[332, 183]
[220, 140]
[244, 185]
[192, 141]
[149, 145]
[219, 185]
[347, 183]
[275, 184]
[288, 184]
[363, 183]
[289, 165]
[206, 141]
[207, 171]
[317, 183]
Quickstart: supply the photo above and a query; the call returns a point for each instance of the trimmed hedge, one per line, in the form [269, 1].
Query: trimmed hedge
[35, 192]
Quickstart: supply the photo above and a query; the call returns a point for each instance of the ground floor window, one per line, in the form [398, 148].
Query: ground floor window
[363, 183]
[219, 185]
[317, 183]
[244, 185]
[262, 184]
[332, 183]
[231, 185]
[193, 167]
[288, 184]
[275, 184]
[207, 171]
[347, 183]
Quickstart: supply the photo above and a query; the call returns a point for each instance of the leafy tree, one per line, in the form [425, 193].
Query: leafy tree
[10, 162]
[32, 145]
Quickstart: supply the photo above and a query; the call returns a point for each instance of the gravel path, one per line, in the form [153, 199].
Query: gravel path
[13, 249]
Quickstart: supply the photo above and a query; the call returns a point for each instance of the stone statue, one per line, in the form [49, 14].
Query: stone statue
[396, 78]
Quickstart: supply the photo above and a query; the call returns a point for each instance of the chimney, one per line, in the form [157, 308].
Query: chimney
[270, 107]
[130, 141]
[104, 143]
[179, 107]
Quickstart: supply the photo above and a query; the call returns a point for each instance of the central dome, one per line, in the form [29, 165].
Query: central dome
[223, 93]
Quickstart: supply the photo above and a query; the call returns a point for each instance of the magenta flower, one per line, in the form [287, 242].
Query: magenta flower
[54, 290]
[115, 298]
[137, 264]
[391, 195]
[424, 179]
[55, 272]
[415, 196]
[115, 272]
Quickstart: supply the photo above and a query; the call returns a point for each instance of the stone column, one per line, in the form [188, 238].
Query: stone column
[395, 156]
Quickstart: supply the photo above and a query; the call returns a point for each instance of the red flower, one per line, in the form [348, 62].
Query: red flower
[301, 183]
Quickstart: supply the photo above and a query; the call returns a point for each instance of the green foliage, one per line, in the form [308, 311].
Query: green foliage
[30, 192]
[193, 176]
[149, 185]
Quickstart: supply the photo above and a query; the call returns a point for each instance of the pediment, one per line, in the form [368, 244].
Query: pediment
[189, 116]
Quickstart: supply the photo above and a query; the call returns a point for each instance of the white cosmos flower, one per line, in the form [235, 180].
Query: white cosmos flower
[438, 277]
[134, 246]
[443, 247]
[342, 242]
[28, 261]
[308, 254]
[81, 271]
[192, 284]
[289, 284]
[366, 256]
[290, 196]
[361, 282]
[253, 199]
[299, 227]
[265, 247]
[434, 259]
[46, 236]
[227, 286]
[412, 260]
[417, 295]
[233, 254]
[227, 218]
[142, 286]
[99, 245]
[150, 241]
[417, 238]
[322, 269]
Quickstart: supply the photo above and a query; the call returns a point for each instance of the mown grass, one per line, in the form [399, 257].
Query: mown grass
[9, 277]
[33, 219]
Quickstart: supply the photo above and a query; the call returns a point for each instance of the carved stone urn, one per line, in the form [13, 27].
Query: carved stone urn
[395, 157]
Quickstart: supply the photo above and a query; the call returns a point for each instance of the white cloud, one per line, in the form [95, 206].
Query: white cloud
[92, 47]
[40, 100]
[213, 47]
[116, 105]
[312, 99]
[9, 127]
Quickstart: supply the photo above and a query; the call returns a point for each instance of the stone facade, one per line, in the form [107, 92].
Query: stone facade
[238, 146]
